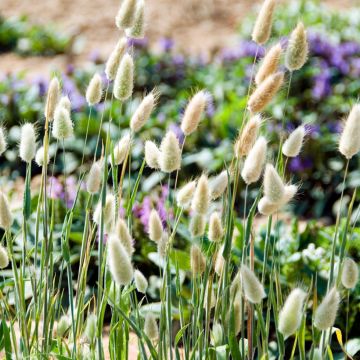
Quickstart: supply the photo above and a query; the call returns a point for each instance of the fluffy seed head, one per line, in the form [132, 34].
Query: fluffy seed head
[269, 64]
[201, 199]
[292, 145]
[291, 313]
[217, 334]
[265, 92]
[3, 143]
[254, 162]
[262, 29]
[350, 273]
[121, 149]
[27, 147]
[124, 79]
[237, 316]
[52, 98]
[274, 188]
[137, 30]
[216, 230]
[119, 262]
[349, 144]
[220, 261]
[198, 261]
[109, 210]
[254, 291]
[155, 226]
[115, 57]
[94, 178]
[152, 155]
[123, 234]
[162, 245]
[63, 126]
[325, 314]
[193, 112]
[5, 213]
[186, 193]
[90, 329]
[212, 298]
[298, 48]
[63, 325]
[143, 112]
[4, 258]
[40, 155]
[94, 90]
[150, 327]
[65, 103]
[170, 153]
[126, 15]
[218, 185]
[140, 282]
[197, 225]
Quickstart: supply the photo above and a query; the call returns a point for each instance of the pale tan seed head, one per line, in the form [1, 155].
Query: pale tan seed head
[186, 193]
[124, 79]
[40, 155]
[325, 314]
[220, 261]
[94, 90]
[65, 103]
[94, 178]
[197, 225]
[63, 126]
[269, 64]
[298, 48]
[123, 234]
[350, 274]
[349, 144]
[274, 187]
[137, 30]
[170, 153]
[27, 146]
[150, 327]
[201, 199]
[216, 231]
[152, 155]
[143, 111]
[3, 142]
[156, 229]
[162, 245]
[108, 211]
[52, 98]
[218, 185]
[126, 15]
[121, 150]
[262, 28]
[198, 261]
[141, 282]
[6, 218]
[4, 257]
[115, 57]
[292, 145]
[253, 289]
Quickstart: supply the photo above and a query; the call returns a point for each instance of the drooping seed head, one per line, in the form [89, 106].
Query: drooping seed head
[124, 79]
[262, 29]
[115, 57]
[186, 193]
[194, 111]
[253, 289]
[170, 153]
[201, 199]
[126, 15]
[350, 273]
[121, 150]
[291, 313]
[63, 126]
[90, 329]
[292, 145]
[198, 261]
[3, 143]
[65, 103]
[349, 144]
[140, 282]
[6, 218]
[137, 30]
[274, 187]
[123, 234]
[297, 49]
[197, 225]
[150, 327]
[94, 178]
[156, 229]
[216, 230]
[4, 257]
[163, 245]
[108, 211]
[40, 155]
[265, 92]
[325, 314]
[143, 112]
[27, 147]
[119, 262]
[52, 98]
[94, 90]
[152, 155]
[63, 325]
[218, 185]
[269, 64]
[254, 162]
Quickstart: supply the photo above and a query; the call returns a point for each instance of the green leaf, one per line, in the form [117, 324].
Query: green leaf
[180, 334]
[7, 341]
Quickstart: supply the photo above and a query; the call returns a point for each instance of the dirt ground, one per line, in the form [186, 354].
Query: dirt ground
[196, 26]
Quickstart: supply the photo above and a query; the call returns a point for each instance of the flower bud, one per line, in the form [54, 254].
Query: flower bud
[65, 103]
[90, 329]
[269, 64]
[63, 326]
[108, 211]
[274, 187]
[39, 157]
[162, 245]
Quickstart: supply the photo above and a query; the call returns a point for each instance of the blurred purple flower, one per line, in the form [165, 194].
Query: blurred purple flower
[166, 44]
[335, 127]
[77, 100]
[176, 129]
[143, 212]
[137, 43]
[55, 188]
[312, 129]
[94, 56]
[41, 83]
[297, 164]
[322, 82]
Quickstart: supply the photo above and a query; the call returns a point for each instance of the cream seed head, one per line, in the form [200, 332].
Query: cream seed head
[94, 178]
[140, 282]
[124, 79]
[292, 145]
[350, 274]
[197, 225]
[274, 187]
[39, 157]
[63, 126]
[3, 143]
[185, 194]
[262, 29]
[137, 30]
[143, 112]
[237, 316]
[201, 199]
[123, 234]
[6, 218]
[218, 185]
[121, 150]
[4, 258]
[115, 57]
[170, 153]
[194, 111]
[269, 64]
[325, 314]
[126, 15]
[90, 329]
[212, 298]
[253, 289]
[220, 261]
[63, 326]
[119, 262]
[254, 162]
[152, 155]
[27, 147]
[162, 245]
[265, 92]
[291, 313]
[94, 90]
[198, 261]
[108, 211]
[150, 327]
[216, 230]
[65, 103]
[349, 144]
[298, 48]
[156, 229]
[266, 207]
[52, 98]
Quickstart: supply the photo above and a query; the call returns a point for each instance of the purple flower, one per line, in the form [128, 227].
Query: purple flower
[94, 56]
[143, 212]
[166, 44]
[178, 60]
[77, 100]
[55, 188]
[41, 83]
[297, 164]
[335, 127]
[137, 43]
[322, 82]
[176, 129]
[312, 129]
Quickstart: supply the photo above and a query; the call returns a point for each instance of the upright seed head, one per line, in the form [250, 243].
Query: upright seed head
[109, 211]
[254, 163]
[198, 261]
[65, 103]
[292, 145]
[298, 49]
[63, 326]
[254, 291]
[350, 274]
[218, 185]
[349, 144]
[194, 111]
[216, 230]
[325, 314]
[90, 329]
[212, 295]
[274, 188]
[185, 194]
[6, 219]
[94, 90]
[150, 327]
[162, 245]
[170, 153]
[269, 64]
[143, 112]
[247, 137]
[220, 261]
[63, 126]
[126, 15]
[197, 225]
[27, 147]
[237, 315]
[201, 199]
[121, 150]
[265, 92]
[52, 98]
[124, 79]
[4, 258]
[140, 282]
[291, 313]
[115, 57]
[119, 262]
[94, 178]
[40, 155]
[262, 29]
[155, 226]
[137, 30]
[123, 233]
[152, 155]
[3, 143]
